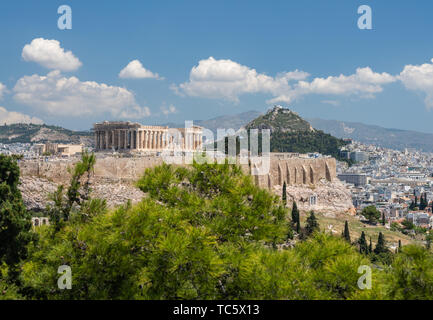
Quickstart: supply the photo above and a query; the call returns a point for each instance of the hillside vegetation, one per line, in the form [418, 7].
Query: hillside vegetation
[291, 133]
[33, 133]
[203, 232]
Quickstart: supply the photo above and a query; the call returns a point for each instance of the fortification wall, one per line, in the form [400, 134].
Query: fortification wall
[293, 171]
[298, 171]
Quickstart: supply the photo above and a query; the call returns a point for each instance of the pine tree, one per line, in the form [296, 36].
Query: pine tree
[312, 224]
[296, 218]
[15, 220]
[363, 248]
[284, 195]
[380, 246]
[346, 233]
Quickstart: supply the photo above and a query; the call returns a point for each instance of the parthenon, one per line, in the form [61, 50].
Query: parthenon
[129, 136]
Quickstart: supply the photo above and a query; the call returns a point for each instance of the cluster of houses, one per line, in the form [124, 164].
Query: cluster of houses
[393, 181]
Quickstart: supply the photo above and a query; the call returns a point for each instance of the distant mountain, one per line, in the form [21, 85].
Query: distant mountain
[371, 134]
[33, 133]
[228, 122]
[291, 133]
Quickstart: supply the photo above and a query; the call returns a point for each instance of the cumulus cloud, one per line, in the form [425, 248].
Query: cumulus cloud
[168, 110]
[419, 78]
[3, 90]
[10, 117]
[57, 95]
[227, 79]
[49, 54]
[364, 83]
[135, 70]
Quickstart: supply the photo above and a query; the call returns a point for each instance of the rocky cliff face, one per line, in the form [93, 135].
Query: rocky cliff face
[36, 191]
[114, 181]
[331, 197]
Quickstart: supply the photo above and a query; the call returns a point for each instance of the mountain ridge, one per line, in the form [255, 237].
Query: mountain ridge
[40, 133]
[373, 134]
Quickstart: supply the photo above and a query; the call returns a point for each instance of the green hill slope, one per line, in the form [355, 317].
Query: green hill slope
[33, 133]
[291, 133]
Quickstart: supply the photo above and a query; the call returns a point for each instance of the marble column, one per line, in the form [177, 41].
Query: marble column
[96, 140]
[139, 140]
[145, 138]
[118, 139]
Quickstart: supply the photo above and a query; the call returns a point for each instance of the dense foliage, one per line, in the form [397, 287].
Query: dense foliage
[307, 142]
[204, 232]
[371, 214]
[15, 226]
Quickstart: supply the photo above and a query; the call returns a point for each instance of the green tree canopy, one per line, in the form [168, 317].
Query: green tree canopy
[371, 213]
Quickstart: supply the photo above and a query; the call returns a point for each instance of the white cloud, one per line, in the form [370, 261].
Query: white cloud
[57, 95]
[3, 90]
[419, 78]
[168, 110]
[228, 80]
[135, 70]
[334, 103]
[49, 54]
[294, 75]
[364, 83]
[10, 117]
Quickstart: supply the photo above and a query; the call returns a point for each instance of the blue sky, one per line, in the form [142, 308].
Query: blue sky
[215, 58]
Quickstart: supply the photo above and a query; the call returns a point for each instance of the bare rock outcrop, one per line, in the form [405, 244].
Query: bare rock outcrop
[326, 197]
[35, 192]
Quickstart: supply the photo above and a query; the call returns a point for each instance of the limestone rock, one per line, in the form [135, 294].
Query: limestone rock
[331, 197]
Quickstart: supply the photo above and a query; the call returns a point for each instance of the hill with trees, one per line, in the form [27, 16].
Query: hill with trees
[291, 133]
[35, 133]
[202, 232]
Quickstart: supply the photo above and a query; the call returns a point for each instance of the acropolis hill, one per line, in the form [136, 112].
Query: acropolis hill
[125, 149]
[311, 182]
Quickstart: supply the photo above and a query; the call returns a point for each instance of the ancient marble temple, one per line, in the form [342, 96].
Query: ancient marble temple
[129, 136]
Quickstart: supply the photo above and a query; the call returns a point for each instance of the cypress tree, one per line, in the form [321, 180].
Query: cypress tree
[422, 205]
[383, 218]
[363, 248]
[370, 247]
[416, 202]
[312, 224]
[346, 233]
[284, 195]
[412, 205]
[296, 218]
[380, 246]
